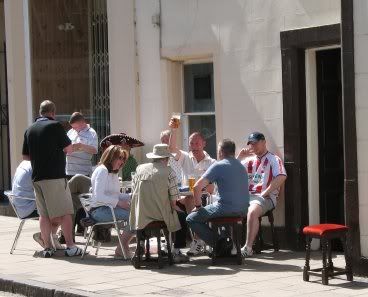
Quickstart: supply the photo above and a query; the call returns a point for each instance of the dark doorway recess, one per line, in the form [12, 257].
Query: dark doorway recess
[330, 136]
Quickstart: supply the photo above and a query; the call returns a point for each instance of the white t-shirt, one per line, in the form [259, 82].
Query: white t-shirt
[190, 166]
[261, 171]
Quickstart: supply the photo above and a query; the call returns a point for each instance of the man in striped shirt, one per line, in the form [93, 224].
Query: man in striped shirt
[84, 142]
[266, 173]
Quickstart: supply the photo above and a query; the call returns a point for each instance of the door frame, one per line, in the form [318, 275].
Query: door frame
[293, 46]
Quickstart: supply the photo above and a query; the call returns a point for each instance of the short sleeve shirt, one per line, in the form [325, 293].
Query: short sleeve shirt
[190, 166]
[79, 162]
[261, 171]
[232, 183]
[44, 142]
[22, 187]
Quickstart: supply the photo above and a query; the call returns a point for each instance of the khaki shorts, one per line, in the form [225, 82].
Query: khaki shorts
[53, 197]
[266, 203]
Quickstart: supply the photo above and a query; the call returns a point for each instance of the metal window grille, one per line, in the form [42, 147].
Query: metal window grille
[99, 67]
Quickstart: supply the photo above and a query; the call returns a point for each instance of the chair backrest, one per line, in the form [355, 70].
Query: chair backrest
[85, 200]
[12, 197]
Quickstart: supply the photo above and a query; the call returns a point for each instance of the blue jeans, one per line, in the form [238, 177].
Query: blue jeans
[103, 214]
[197, 221]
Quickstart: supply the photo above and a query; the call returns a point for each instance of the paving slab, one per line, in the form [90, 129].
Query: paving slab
[276, 274]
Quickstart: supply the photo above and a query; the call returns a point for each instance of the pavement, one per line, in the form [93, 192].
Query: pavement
[273, 274]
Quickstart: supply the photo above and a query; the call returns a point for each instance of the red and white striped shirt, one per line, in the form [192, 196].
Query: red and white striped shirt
[261, 171]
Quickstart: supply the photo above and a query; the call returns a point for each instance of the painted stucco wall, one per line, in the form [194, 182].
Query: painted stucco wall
[243, 39]
[361, 91]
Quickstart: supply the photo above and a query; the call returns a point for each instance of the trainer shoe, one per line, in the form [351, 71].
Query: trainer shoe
[38, 238]
[246, 252]
[48, 252]
[73, 251]
[179, 257]
[233, 250]
[55, 243]
[196, 247]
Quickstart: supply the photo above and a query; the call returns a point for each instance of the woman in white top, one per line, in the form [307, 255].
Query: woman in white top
[106, 192]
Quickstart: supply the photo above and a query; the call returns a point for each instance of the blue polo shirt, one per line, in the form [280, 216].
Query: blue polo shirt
[232, 183]
[22, 187]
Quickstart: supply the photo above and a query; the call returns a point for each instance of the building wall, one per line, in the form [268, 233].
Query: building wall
[243, 40]
[18, 75]
[361, 91]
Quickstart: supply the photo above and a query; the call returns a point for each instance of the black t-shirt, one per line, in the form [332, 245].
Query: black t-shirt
[44, 142]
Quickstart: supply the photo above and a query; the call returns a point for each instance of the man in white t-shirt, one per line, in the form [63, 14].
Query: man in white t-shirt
[266, 173]
[193, 163]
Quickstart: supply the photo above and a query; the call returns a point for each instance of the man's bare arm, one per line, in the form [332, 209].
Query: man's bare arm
[199, 185]
[26, 158]
[173, 141]
[275, 184]
[68, 149]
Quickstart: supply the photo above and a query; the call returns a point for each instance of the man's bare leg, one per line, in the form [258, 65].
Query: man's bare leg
[67, 226]
[46, 228]
[254, 212]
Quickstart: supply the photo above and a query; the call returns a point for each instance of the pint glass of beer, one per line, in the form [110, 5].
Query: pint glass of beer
[175, 117]
[191, 182]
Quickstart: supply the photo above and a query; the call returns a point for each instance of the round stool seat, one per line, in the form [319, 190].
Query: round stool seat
[324, 229]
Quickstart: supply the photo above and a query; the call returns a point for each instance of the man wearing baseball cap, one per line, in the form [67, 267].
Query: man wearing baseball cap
[266, 173]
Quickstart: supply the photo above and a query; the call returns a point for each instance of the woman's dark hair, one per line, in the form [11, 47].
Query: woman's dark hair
[112, 153]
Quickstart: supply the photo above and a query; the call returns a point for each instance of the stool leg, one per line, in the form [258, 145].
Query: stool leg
[148, 252]
[237, 236]
[214, 249]
[168, 243]
[330, 263]
[275, 242]
[159, 254]
[307, 258]
[324, 261]
[347, 254]
[136, 260]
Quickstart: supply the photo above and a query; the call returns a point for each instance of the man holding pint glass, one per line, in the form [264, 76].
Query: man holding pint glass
[194, 164]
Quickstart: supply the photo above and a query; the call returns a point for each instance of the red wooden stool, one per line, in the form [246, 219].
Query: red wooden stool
[234, 222]
[326, 232]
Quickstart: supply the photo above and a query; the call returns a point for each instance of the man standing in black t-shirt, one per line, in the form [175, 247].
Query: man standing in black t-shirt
[45, 145]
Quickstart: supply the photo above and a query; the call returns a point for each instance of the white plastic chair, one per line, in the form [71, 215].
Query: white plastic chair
[85, 200]
[11, 198]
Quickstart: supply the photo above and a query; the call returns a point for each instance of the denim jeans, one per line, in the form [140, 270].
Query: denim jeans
[103, 214]
[197, 221]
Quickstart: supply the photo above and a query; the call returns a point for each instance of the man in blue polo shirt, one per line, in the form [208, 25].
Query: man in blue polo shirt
[232, 183]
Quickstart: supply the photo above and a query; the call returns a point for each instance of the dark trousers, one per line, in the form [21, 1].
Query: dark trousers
[181, 235]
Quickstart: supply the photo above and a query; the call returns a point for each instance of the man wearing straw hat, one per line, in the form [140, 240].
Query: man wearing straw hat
[154, 197]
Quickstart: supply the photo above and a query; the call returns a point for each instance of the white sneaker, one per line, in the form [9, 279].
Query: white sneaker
[246, 252]
[196, 247]
[55, 243]
[233, 250]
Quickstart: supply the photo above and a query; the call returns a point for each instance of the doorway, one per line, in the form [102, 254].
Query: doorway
[330, 136]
